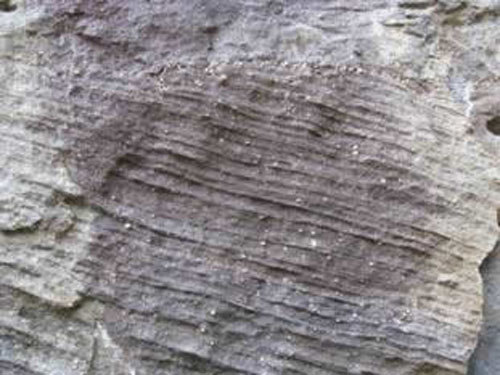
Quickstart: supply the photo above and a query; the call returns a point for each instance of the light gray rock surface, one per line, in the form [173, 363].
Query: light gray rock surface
[237, 187]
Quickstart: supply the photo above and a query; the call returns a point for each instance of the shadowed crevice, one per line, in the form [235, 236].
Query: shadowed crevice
[486, 359]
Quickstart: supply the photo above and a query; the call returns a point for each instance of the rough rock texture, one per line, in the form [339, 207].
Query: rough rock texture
[236, 187]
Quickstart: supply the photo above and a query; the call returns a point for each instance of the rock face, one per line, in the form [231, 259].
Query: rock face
[234, 187]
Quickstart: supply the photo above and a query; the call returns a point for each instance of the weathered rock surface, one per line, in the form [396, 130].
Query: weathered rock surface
[234, 187]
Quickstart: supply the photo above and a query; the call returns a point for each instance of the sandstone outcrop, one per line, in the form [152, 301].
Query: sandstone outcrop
[235, 187]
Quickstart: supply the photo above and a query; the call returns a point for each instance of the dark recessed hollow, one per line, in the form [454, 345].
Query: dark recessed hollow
[6, 6]
[493, 125]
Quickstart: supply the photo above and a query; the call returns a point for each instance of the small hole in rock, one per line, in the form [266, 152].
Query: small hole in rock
[315, 133]
[493, 125]
[7, 6]
[212, 29]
